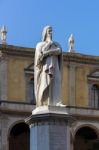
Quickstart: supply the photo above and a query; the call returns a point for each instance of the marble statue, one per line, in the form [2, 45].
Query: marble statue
[3, 34]
[71, 43]
[47, 70]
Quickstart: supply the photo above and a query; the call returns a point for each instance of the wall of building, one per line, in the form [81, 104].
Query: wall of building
[82, 85]
[65, 84]
[16, 78]
[76, 68]
[75, 90]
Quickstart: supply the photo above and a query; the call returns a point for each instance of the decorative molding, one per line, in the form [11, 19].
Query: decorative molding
[86, 118]
[16, 108]
[80, 58]
[29, 69]
[15, 112]
[10, 50]
[49, 118]
[93, 78]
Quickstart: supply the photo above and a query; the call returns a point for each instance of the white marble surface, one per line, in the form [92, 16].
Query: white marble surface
[71, 44]
[47, 70]
[49, 109]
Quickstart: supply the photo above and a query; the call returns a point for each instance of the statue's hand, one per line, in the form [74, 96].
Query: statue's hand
[47, 46]
[56, 51]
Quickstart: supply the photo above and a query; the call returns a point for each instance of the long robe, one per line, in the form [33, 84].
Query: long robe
[47, 74]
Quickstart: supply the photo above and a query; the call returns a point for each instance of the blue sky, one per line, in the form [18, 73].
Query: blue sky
[25, 20]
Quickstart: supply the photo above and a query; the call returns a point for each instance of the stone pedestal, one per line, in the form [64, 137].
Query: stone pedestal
[49, 129]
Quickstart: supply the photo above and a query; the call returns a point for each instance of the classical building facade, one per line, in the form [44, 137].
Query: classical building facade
[80, 94]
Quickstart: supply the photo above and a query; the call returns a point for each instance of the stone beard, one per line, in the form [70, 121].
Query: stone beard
[48, 70]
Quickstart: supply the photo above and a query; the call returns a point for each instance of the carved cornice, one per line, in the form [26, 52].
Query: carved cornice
[10, 50]
[13, 112]
[83, 113]
[86, 118]
[80, 58]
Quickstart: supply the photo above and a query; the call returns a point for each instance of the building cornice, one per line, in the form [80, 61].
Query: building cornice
[83, 113]
[11, 50]
[16, 108]
[14, 112]
[80, 58]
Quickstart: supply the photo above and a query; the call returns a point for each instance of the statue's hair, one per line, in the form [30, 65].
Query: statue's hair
[44, 32]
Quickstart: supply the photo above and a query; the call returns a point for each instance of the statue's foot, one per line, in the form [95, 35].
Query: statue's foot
[60, 104]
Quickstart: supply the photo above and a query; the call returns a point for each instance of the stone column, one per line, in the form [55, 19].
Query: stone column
[3, 80]
[72, 84]
[4, 130]
[49, 131]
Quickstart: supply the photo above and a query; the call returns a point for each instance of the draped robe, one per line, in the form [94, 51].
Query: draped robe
[47, 73]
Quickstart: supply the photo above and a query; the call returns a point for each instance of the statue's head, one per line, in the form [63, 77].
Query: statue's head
[47, 31]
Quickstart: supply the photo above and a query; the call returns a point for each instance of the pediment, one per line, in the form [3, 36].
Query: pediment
[29, 69]
[95, 74]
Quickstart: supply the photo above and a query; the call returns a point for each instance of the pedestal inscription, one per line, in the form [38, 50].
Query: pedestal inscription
[48, 131]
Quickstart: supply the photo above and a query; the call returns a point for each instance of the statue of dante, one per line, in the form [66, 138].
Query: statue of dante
[47, 70]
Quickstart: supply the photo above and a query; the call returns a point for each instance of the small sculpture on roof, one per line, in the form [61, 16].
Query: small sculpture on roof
[3, 34]
[71, 44]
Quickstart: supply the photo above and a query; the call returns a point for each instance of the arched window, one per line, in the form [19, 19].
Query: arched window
[94, 96]
[86, 139]
[19, 137]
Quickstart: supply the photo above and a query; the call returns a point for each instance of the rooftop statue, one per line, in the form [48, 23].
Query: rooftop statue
[71, 43]
[3, 34]
[47, 70]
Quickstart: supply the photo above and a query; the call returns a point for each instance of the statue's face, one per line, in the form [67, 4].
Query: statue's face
[49, 32]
